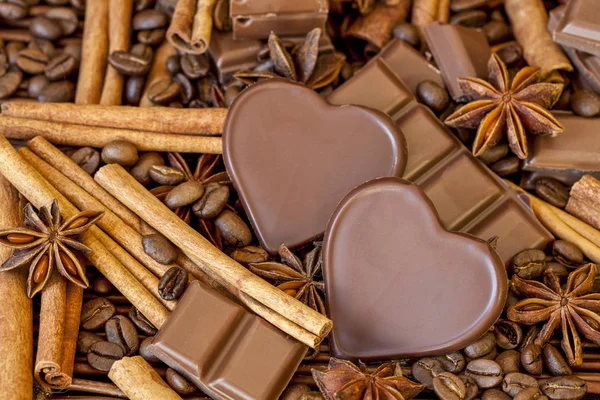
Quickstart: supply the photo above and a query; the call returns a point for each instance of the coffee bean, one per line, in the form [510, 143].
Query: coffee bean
[530, 394]
[553, 191]
[140, 5]
[496, 31]
[60, 67]
[485, 345]
[85, 340]
[102, 355]
[567, 253]
[178, 383]
[96, 312]
[529, 264]
[141, 170]
[120, 330]
[45, 46]
[13, 10]
[233, 229]
[470, 18]
[585, 103]
[188, 89]
[141, 322]
[164, 91]
[408, 33]
[564, 101]
[508, 334]
[172, 64]
[212, 201]
[471, 386]
[494, 154]
[159, 248]
[295, 392]
[530, 336]
[494, 394]
[12, 50]
[152, 37]
[453, 362]
[559, 270]
[129, 64]
[231, 94]
[486, 373]
[555, 362]
[36, 85]
[449, 386]
[57, 92]
[194, 66]
[120, 152]
[45, 28]
[78, 4]
[564, 388]
[506, 166]
[149, 19]
[102, 286]
[52, 2]
[510, 53]
[134, 88]
[32, 61]
[515, 382]
[249, 255]
[87, 158]
[146, 350]
[175, 104]
[531, 359]
[184, 194]
[433, 96]
[65, 17]
[173, 283]
[509, 361]
[463, 5]
[425, 370]
[9, 83]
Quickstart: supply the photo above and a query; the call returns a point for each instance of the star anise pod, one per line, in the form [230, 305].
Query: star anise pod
[365, 6]
[302, 64]
[345, 381]
[47, 242]
[574, 309]
[499, 108]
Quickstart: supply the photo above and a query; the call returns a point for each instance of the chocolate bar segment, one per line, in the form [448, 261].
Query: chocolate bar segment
[230, 56]
[228, 352]
[580, 26]
[468, 196]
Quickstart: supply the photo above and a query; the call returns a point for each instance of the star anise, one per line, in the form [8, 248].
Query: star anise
[345, 381]
[296, 278]
[574, 308]
[302, 64]
[500, 107]
[45, 242]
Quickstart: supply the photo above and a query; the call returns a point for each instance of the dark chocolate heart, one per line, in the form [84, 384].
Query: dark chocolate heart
[292, 157]
[398, 284]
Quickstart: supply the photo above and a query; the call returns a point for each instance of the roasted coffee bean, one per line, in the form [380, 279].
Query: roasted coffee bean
[45, 28]
[36, 85]
[120, 330]
[510, 54]
[141, 322]
[531, 359]
[141, 170]
[175, 104]
[529, 264]
[152, 37]
[564, 388]
[9, 83]
[555, 362]
[530, 336]
[449, 386]
[32, 60]
[494, 394]
[506, 166]
[453, 362]
[484, 346]
[45, 46]
[129, 64]
[78, 4]
[221, 17]
[188, 89]
[12, 50]
[102, 355]
[173, 64]
[194, 66]
[486, 373]
[295, 392]
[233, 229]
[408, 33]
[585, 103]
[85, 340]
[52, 2]
[145, 350]
[173, 283]
[87, 158]
[60, 67]
[515, 382]
[530, 394]
[164, 91]
[457, 6]
[134, 88]
[471, 18]
[231, 94]
[433, 96]
[494, 154]
[178, 383]
[425, 370]
[57, 92]
[102, 286]
[165, 175]
[559, 270]
[13, 9]
[553, 191]
[508, 334]
[212, 201]
[567, 253]
[471, 386]
[149, 19]
[65, 17]
[249, 255]
[564, 101]
[184, 194]
[96, 312]
[496, 31]
[120, 152]
[159, 248]
[509, 361]
[141, 5]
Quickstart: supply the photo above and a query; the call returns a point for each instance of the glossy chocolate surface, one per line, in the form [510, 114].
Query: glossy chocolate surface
[228, 352]
[231, 55]
[398, 284]
[292, 157]
[580, 26]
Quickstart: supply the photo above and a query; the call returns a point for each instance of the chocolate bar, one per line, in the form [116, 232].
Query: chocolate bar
[458, 51]
[468, 196]
[228, 352]
[580, 26]
[230, 56]
[257, 18]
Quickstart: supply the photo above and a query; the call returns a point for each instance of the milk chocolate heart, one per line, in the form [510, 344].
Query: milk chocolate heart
[292, 157]
[398, 284]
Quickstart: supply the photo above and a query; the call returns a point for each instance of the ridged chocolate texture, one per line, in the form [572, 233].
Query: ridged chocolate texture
[580, 26]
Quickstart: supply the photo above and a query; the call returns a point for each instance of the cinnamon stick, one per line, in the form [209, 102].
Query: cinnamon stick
[94, 52]
[296, 319]
[119, 38]
[191, 26]
[80, 135]
[443, 14]
[376, 27]
[16, 319]
[529, 21]
[88, 386]
[188, 121]
[158, 70]
[424, 12]
[584, 202]
[139, 381]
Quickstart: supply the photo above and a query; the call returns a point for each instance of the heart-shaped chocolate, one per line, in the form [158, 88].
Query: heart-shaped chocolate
[398, 284]
[292, 157]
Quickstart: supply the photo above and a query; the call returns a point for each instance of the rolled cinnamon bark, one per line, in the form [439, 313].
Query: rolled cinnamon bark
[191, 25]
[16, 319]
[139, 381]
[529, 21]
[376, 27]
[443, 14]
[158, 70]
[94, 51]
[584, 202]
[119, 38]
[424, 12]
